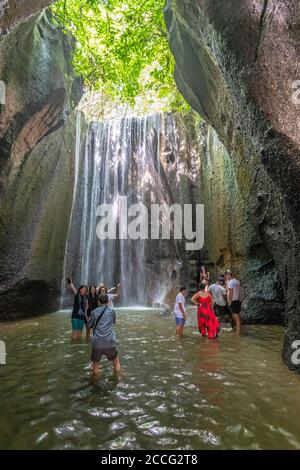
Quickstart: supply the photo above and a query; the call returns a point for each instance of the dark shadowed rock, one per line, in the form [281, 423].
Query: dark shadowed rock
[37, 145]
[236, 63]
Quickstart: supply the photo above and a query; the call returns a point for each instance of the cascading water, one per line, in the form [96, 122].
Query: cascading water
[76, 173]
[123, 157]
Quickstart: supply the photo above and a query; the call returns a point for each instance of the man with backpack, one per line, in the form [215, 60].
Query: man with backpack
[102, 321]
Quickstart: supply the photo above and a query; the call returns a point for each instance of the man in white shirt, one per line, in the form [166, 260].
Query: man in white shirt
[234, 299]
[180, 311]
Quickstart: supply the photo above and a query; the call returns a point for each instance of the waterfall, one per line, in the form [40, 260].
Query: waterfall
[124, 157]
[76, 173]
[121, 159]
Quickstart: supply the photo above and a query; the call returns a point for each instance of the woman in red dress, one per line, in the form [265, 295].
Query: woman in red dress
[208, 323]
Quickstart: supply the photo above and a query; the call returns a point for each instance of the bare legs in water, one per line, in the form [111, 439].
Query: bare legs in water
[97, 369]
[237, 323]
[179, 331]
[76, 335]
[88, 333]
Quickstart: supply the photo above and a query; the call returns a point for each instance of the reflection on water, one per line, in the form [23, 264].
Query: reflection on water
[174, 394]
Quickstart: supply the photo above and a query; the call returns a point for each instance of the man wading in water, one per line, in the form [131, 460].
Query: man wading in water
[234, 299]
[104, 343]
[219, 295]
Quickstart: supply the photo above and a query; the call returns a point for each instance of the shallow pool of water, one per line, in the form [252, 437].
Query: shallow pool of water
[233, 393]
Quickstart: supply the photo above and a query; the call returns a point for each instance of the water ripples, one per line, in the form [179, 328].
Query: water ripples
[190, 394]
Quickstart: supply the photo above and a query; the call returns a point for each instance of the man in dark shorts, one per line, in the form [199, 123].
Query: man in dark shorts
[234, 299]
[102, 321]
[219, 295]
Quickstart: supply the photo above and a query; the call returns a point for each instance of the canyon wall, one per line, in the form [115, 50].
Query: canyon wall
[13, 12]
[231, 239]
[37, 146]
[236, 63]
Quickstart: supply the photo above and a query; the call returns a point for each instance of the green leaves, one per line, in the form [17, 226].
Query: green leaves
[122, 49]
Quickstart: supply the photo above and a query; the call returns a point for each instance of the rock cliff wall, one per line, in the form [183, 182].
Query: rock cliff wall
[37, 145]
[13, 12]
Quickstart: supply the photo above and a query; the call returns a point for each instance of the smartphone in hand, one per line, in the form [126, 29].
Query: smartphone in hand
[69, 280]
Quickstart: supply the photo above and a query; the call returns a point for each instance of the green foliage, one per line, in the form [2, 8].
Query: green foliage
[122, 49]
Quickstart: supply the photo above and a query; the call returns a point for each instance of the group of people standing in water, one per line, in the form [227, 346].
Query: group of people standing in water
[93, 307]
[215, 301]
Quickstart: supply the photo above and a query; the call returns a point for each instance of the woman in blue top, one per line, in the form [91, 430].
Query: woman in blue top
[79, 309]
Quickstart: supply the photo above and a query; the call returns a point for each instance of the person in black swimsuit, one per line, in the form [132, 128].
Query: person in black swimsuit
[79, 309]
[92, 305]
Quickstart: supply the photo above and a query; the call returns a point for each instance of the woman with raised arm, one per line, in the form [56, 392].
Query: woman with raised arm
[204, 277]
[79, 311]
[102, 290]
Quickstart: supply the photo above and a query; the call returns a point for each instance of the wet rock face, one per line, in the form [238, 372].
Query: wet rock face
[37, 143]
[236, 63]
[231, 240]
[13, 12]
